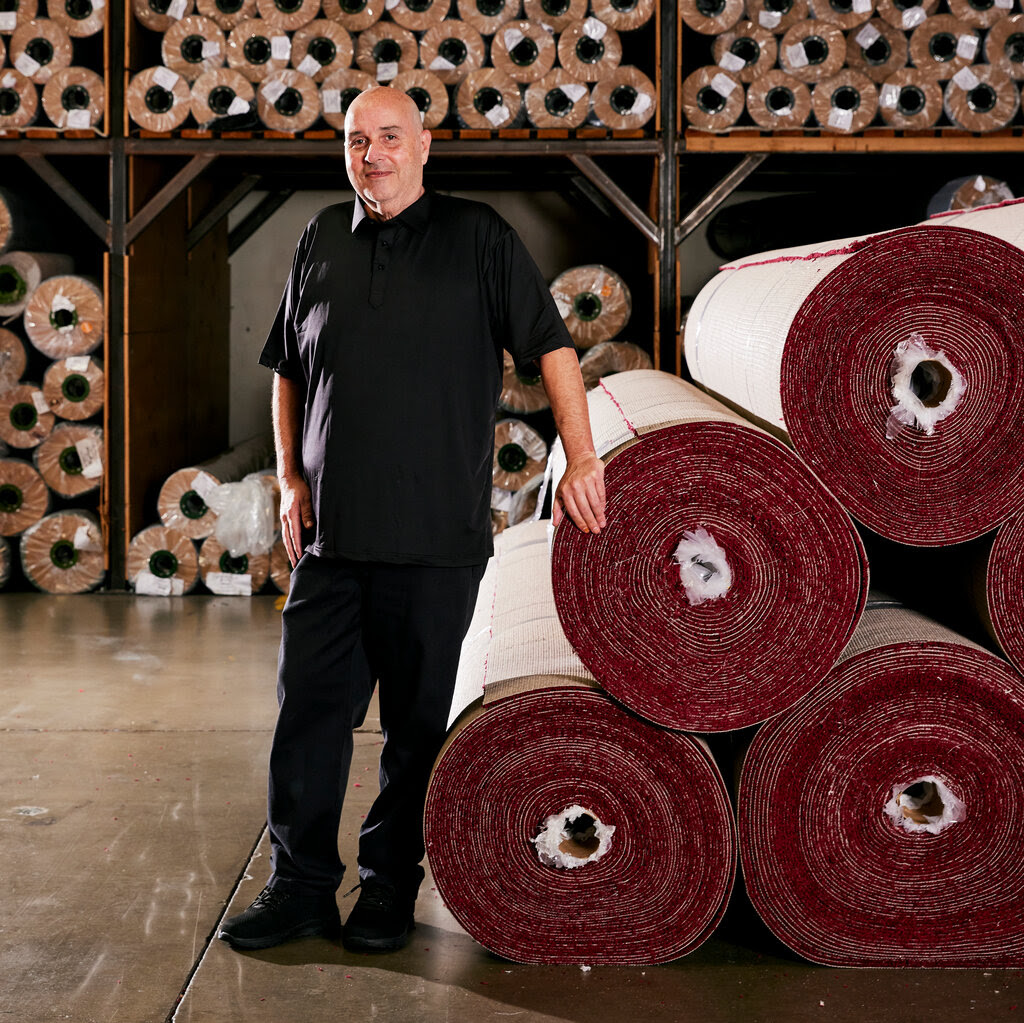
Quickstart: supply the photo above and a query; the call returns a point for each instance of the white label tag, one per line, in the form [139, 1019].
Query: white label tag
[966, 79]
[862, 6]
[79, 119]
[769, 19]
[9, 81]
[594, 28]
[641, 104]
[840, 119]
[309, 65]
[39, 400]
[8, 21]
[979, 184]
[98, 5]
[783, 111]
[280, 48]
[165, 78]
[913, 16]
[513, 37]
[498, 115]
[272, 90]
[563, 304]
[867, 36]
[238, 106]
[26, 65]
[227, 584]
[90, 456]
[440, 64]
[61, 303]
[501, 500]
[797, 56]
[390, 5]
[967, 47]
[723, 85]
[1006, 5]
[387, 70]
[889, 96]
[149, 585]
[731, 62]
[176, 10]
[204, 485]
[332, 101]
[77, 363]
[210, 49]
[86, 540]
[574, 91]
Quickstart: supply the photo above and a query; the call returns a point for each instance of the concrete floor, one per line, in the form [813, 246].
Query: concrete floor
[132, 777]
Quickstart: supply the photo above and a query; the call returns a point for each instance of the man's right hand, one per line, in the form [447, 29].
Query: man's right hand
[296, 514]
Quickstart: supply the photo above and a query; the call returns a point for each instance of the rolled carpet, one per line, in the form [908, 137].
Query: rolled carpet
[594, 303]
[5, 562]
[727, 580]
[73, 387]
[521, 392]
[63, 552]
[1004, 582]
[71, 459]
[21, 273]
[230, 576]
[25, 416]
[880, 819]
[24, 497]
[162, 562]
[520, 454]
[65, 315]
[610, 357]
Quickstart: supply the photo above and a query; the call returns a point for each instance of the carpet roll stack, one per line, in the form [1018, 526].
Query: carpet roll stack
[24, 497]
[70, 460]
[63, 552]
[162, 562]
[594, 303]
[232, 576]
[560, 828]
[1002, 610]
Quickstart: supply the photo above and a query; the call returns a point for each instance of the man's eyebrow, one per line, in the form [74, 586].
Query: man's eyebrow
[386, 127]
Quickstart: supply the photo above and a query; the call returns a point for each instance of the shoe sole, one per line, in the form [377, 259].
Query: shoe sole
[360, 944]
[310, 929]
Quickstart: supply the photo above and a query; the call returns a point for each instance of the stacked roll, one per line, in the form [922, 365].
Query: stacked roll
[594, 303]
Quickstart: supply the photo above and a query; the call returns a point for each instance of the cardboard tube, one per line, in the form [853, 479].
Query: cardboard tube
[943, 45]
[712, 99]
[386, 49]
[778, 16]
[71, 459]
[158, 99]
[337, 92]
[288, 101]
[521, 393]
[910, 99]
[777, 101]
[22, 272]
[609, 358]
[1004, 46]
[711, 17]
[428, 93]
[877, 50]
[594, 303]
[39, 49]
[63, 552]
[227, 13]
[623, 15]
[354, 15]
[418, 15]
[905, 14]
[79, 18]
[65, 314]
[625, 99]
[74, 387]
[557, 101]
[487, 16]
[193, 45]
[223, 574]
[981, 98]
[321, 48]
[17, 13]
[844, 14]
[25, 418]
[13, 357]
[845, 103]
[487, 99]
[19, 99]
[746, 51]
[280, 567]
[257, 49]
[589, 50]
[555, 14]
[812, 50]
[288, 14]
[520, 454]
[24, 497]
[159, 15]
[524, 50]
[74, 98]
[223, 92]
[451, 50]
[980, 13]
[162, 562]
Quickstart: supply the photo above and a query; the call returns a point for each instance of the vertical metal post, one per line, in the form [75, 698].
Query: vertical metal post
[668, 172]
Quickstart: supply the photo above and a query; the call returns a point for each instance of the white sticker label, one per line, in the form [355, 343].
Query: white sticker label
[332, 101]
[723, 85]
[210, 49]
[387, 70]
[574, 91]
[769, 19]
[272, 90]
[40, 402]
[90, 456]
[913, 16]
[783, 111]
[731, 62]
[967, 47]
[498, 115]
[77, 363]
[79, 119]
[390, 5]
[176, 10]
[1006, 5]
[280, 48]
[61, 303]
[867, 36]
[9, 81]
[98, 5]
[641, 104]
[237, 106]
[26, 65]
[862, 6]
[889, 96]
[797, 56]
[563, 305]
[204, 485]
[86, 540]
[8, 21]
[966, 79]
[165, 78]
[594, 28]
[149, 585]
[980, 184]
[840, 119]
[440, 64]
[513, 37]
[309, 65]
[227, 584]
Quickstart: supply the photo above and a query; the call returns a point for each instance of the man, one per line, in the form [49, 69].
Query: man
[387, 349]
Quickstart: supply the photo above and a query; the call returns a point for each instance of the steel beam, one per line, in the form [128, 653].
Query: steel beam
[616, 195]
[718, 195]
[68, 194]
[257, 218]
[211, 219]
[152, 209]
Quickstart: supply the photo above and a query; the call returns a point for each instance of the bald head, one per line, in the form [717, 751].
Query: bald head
[383, 99]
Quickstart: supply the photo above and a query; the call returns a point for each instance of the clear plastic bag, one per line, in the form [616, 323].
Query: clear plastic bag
[246, 521]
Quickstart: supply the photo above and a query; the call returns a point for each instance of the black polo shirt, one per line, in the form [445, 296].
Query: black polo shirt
[396, 330]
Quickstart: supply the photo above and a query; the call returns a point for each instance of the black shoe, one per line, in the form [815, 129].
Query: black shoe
[380, 921]
[278, 915]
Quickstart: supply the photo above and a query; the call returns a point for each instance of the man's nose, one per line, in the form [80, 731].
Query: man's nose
[370, 156]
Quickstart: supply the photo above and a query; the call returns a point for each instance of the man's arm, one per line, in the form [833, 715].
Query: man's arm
[288, 409]
[580, 493]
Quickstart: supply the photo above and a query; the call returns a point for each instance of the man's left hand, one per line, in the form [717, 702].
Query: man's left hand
[580, 494]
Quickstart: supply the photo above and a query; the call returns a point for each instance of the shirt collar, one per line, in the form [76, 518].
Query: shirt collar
[415, 216]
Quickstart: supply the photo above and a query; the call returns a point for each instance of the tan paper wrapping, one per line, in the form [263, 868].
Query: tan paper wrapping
[711, 17]
[63, 553]
[1004, 46]
[521, 393]
[623, 15]
[13, 357]
[712, 99]
[523, 50]
[557, 101]
[288, 101]
[280, 567]
[487, 16]
[257, 49]
[746, 51]
[354, 15]
[980, 13]
[165, 559]
[777, 101]
[520, 454]
[24, 419]
[609, 358]
[79, 18]
[224, 92]
[625, 99]
[427, 92]
[337, 92]
[589, 50]
[981, 98]
[451, 50]
[71, 459]
[905, 14]
[845, 103]
[877, 50]
[74, 98]
[158, 99]
[227, 13]
[524, 502]
[288, 14]
[65, 315]
[22, 272]
[24, 497]
[386, 49]
[812, 50]
[214, 558]
[39, 49]
[910, 99]
[17, 13]
[845, 14]
[419, 15]
[19, 100]
[487, 99]
[159, 15]
[593, 301]
[942, 45]
[777, 16]
[74, 391]
[556, 14]
[193, 45]
[321, 48]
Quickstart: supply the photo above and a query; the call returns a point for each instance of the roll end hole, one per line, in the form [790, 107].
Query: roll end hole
[582, 841]
[927, 802]
[930, 382]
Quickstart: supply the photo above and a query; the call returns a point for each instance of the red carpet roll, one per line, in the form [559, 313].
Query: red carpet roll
[881, 818]
[24, 498]
[63, 553]
[727, 581]
[1004, 584]
[162, 562]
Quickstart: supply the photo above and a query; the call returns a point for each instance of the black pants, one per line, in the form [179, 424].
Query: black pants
[345, 625]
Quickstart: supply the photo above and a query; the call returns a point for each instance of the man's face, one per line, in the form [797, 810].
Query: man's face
[385, 149]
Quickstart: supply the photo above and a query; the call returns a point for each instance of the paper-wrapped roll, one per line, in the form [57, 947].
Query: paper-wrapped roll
[520, 454]
[746, 51]
[523, 505]
[354, 15]
[13, 357]
[877, 50]
[487, 16]
[280, 567]
[337, 92]
[1004, 45]
[556, 14]
[257, 49]
[845, 103]
[557, 101]
[451, 50]
[712, 99]
[65, 315]
[943, 45]
[969, 193]
[71, 459]
[79, 18]
[777, 16]
[594, 302]
[981, 98]
[812, 50]
[17, 13]
[777, 101]
[19, 99]
[73, 387]
[980, 13]
[589, 50]
[905, 14]
[224, 92]
[162, 562]
[419, 15]
[193, 45]
[160, 15]
[524, 50]
[74, 98]
[321, 48]
[288, 14]
[22, 272]
[288, 101]
[428, 93]
[40, 48]
[624, 99]
[227, 13]
[24, 497]
[6, 562]
[711, 17]
[158, 99]
[385, 49]
[488, 99]
[623, 15]
[63, 552]
[499, 517]
[609, 358]
[521, 393]
[230, 576]
[846, 14]
[25, 417]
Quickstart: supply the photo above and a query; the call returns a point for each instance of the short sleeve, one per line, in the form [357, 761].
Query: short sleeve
[281, 351]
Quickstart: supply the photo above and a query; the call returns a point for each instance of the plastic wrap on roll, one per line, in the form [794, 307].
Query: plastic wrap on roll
[6, 562]
[524, 50]
[499, 517]
[224, 92]
[280, 567]
[24, 497]
[25, 416]
[556, 14]
[73, 387]
[610, 357]
[74, 98]
[39, 49]
[160, 15]
[158, 99]
[22, 272]
[746, 51]
[65, 315]
[487, 16]
[354, 15]
[71, 459]
[1004, 45]
[230, 576]
[968, 193]
[880, 819]
[624, 99]
[288, 14]
[17, 13]
[520, 454]
[385, 49]
[905, 14]
[589, 50]
[942, 45]
[712, 99]
[162, 562]
[980, 13]
[711, 17]
[845, 103]
[777, 16]
[257, 49]
[13, 358]
[193, 45]
[812, 50]
[337, 92]
[523, 505]
[623, 15]
[594, 302]
[227, 13]
[877, 50]
[321, 48]
[63, 552]
[684, 607]
[419, 15]
[451, 50]
[79, 18]
[427, 91]
[288, 101]
[981, 98]
[19, 99]
[846, 14]
[487, 99]
[910, 99]
[557, 101]
[522, 393]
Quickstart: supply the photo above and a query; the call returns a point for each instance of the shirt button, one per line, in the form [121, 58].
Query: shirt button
[380, 266]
